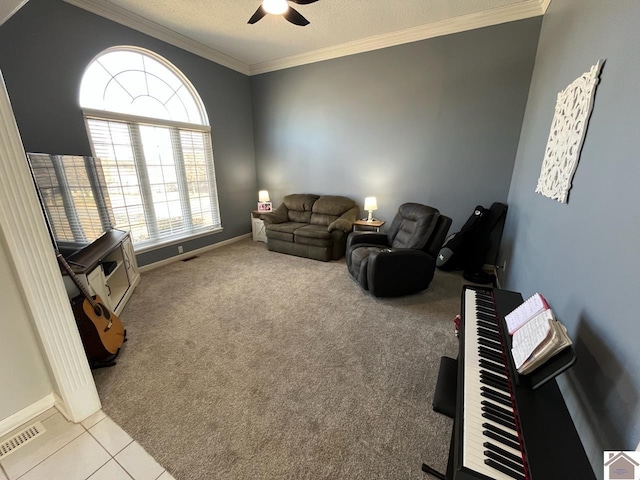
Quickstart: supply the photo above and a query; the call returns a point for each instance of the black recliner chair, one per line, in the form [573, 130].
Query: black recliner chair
[403, 260]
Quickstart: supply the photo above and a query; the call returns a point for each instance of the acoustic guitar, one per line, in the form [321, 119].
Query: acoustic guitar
[101, 331]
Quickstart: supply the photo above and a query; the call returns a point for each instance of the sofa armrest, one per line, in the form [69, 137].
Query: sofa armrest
[345, 221]
[280, 215]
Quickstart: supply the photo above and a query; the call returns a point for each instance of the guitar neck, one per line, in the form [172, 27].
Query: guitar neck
[76, 280]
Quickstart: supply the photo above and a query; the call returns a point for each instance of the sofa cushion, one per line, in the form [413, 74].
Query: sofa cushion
[299, 206]
[283, 231]
[313, 235]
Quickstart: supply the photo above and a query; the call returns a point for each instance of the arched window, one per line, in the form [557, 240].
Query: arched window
[150, 130]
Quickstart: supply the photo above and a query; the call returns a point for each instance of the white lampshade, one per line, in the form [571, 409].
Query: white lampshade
[370, 204]
[275, 7]
[263, 196]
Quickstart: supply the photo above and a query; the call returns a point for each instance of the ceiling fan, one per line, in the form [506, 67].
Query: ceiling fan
[281, 7]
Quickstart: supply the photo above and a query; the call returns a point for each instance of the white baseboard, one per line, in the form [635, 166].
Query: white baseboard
[191, 253]
[26, 414]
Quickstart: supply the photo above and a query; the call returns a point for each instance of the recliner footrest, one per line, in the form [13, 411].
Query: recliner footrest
[444, 398]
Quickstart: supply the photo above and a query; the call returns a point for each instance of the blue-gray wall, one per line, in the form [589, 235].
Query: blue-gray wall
[44, 50]
[435, 122]
[583, 256]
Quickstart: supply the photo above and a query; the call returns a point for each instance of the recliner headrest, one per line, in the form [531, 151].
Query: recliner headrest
[413, 226]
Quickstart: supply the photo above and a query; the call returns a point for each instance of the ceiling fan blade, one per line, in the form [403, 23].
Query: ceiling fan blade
[260, 12]
[304, 2]
[294, 17]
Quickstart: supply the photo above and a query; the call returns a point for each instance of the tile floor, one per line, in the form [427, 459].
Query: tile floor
[96, 449]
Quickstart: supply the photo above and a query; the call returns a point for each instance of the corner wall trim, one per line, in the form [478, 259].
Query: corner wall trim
[24, 234]
[191, 253]
[27, 413]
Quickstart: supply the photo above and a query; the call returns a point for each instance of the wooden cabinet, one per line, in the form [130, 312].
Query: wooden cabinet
[257, 227]
[108, 268]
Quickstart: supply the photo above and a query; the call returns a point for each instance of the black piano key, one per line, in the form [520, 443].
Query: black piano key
[492, 383]
[489, 377]
[497, 414]
[490, 343]
[488, 325]
[485, 311]
[503, 469]
[488, 353]
[487, 302]
[507, 435]
[494, 436]
[486, 317]
[484, 333]
[503, 461]
[495, 396]
[503, 452]
[491, 366]
[499, 420]
[507, 412]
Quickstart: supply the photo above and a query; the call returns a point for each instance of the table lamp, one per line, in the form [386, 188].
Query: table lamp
[370, 205]
[264, 204]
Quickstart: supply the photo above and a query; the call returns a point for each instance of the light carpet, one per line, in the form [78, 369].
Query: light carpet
[249, 364]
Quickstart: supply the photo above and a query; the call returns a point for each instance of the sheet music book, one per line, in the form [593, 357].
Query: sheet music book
[537, 341]
[533, 306]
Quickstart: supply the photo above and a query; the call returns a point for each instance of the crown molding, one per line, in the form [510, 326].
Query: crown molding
[496, 16]
[519, 11]
[117, 14]
[10, 14]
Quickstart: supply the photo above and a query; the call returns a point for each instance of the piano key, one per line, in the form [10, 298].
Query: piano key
[470, 410]
[497, 376]
[504, 461]
[501, 440]
[504, 411]
[504, 469]
[497, 397]
[488, 325]
[499, 420]
[488, 353]
[486, 317]
[497, 414]
[489, 343]
[484, 333]
[514, 458]
[491, 366]
[502, 432]
[493, 383]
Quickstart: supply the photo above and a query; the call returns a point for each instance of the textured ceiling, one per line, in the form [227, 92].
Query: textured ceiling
[222, 24]
[218, 29]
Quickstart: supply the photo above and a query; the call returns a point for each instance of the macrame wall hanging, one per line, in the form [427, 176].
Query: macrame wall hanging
[568, 130]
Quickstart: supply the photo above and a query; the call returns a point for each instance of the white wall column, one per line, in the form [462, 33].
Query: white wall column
[25, 237]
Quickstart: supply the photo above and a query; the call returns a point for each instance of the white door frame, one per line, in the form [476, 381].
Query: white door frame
[26, 240]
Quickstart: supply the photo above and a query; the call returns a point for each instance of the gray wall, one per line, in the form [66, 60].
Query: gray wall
[44, 49]
[23, 377]
[435, 122]
[583, 256]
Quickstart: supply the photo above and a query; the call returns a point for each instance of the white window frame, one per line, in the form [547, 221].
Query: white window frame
[175, 127]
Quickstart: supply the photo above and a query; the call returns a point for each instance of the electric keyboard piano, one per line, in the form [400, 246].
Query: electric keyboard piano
[503, 429]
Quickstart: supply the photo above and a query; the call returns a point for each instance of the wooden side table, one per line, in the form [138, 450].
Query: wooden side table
[257, 226]
[364, 225]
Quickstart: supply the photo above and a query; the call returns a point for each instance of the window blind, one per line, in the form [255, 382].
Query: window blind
[160, 178]
[74, 197]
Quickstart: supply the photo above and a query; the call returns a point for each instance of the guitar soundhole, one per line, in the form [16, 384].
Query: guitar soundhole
[100, 311]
